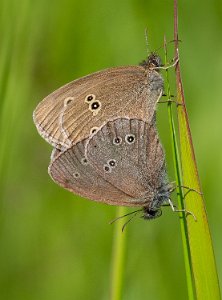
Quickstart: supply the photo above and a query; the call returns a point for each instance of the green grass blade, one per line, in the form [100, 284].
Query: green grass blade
[201, 247]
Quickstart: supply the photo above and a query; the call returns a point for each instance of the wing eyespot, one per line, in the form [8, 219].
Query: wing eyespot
[76, 175]
[93, 130]
[68, 101]
[107, 169]
[95, 107]
[84, 161]
[112, 163]
[130, 138]
[89, 98]
[117, 140]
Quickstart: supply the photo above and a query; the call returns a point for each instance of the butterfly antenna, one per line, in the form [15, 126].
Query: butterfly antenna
[127, 222]
[146, 39]
[165, 43]
[133, 212]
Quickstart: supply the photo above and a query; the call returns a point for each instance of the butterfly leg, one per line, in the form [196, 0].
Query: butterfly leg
[173, 186]
[165, 95]
[190, 190]
[171, 101]
[169, 66]
[174, 209]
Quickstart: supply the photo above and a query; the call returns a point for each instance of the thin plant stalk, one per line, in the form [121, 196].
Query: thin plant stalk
[177, 168]
[118, 259]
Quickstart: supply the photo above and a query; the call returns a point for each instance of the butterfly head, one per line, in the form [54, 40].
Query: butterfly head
[153, 61]
[149, 214]
[161, 197]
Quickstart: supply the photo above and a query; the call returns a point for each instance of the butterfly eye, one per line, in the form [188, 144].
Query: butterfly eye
[84, 161]
[76, 175]
[117, 140]
[130, 138]
[112, 163]
[89, 98]
[68, 100]
[107, 169]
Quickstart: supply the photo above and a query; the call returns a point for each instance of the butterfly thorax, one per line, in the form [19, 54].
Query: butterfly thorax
[151, 67]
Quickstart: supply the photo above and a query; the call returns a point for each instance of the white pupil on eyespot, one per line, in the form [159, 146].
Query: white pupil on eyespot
[112, 163]
[95, 105]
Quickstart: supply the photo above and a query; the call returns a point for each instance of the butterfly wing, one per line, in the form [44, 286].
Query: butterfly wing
[71, 170]
[72, 112]
[128, 154]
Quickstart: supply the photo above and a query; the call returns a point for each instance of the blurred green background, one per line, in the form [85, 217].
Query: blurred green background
[55, 245]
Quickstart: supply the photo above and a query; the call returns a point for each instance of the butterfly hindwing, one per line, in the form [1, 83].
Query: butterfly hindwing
[128, 154]
[71, 170]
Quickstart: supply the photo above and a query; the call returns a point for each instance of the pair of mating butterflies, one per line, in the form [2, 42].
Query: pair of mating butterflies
[103, 130]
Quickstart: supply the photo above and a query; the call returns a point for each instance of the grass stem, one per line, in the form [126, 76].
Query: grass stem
[118, 259]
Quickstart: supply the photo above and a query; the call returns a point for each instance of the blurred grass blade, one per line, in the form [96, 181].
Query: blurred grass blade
[15, 74]
[201, 248]
[119, 250]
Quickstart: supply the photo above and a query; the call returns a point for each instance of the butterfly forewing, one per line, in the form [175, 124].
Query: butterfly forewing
[71, 113]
